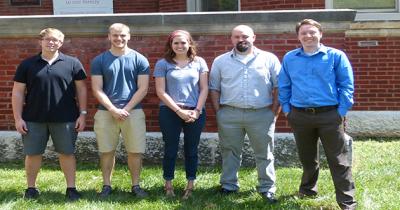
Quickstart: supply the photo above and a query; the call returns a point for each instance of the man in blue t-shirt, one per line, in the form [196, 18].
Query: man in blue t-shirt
[46, 90]
[120, 79]
[316, 90]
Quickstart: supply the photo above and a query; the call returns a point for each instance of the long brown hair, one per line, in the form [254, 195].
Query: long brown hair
[169, 53]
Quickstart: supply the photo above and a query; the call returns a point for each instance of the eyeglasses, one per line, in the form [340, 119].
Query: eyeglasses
[54, 40]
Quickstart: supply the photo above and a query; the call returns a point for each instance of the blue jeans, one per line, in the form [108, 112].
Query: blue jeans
[171, 126]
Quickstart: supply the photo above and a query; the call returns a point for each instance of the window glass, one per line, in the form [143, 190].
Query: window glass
[219, 5]
[364, 4]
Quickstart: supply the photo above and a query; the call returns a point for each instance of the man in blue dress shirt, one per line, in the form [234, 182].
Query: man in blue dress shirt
[315, 91]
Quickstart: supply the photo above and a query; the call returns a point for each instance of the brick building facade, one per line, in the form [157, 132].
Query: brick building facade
[376, 68]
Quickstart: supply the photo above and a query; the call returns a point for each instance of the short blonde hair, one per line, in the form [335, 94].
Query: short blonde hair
[52, 31]
[118, 27]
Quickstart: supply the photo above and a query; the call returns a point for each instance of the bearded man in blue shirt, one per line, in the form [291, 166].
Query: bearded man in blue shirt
[316, 88]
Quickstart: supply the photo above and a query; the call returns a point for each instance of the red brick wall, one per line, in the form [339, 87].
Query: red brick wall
[172, 6]
[376, 72]
[376, 68]
[139, 6]
[281, 4]
[46, 8]
[136, 6]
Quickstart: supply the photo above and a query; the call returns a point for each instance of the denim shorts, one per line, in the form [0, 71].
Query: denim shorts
[62, 134]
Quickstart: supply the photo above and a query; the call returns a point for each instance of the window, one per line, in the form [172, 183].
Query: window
[212, 5]
[364, 5]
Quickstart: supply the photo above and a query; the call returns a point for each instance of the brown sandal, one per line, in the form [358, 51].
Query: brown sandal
[187, 193]
[169, 191]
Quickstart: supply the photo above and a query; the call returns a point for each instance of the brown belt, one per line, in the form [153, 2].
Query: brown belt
[315, 110]
[186, 107]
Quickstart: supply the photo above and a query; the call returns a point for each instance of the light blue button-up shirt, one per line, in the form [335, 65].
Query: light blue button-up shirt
[322, 79]
[245, 85]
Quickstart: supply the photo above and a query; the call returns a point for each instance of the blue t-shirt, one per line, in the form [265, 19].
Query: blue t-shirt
[120, 75]
[182, 84]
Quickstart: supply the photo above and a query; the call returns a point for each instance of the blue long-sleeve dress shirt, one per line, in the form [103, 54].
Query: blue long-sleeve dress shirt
[324, 78]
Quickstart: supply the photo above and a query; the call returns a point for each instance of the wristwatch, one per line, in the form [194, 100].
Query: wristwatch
[83, 112]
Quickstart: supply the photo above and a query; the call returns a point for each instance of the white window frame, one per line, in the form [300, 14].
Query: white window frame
[329, 5]
[195, 6]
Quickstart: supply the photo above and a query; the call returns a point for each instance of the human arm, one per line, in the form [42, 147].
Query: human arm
[215, 86]
[168, 101]
[284, 89]
[215, 99]
[97, 88]
[203, 84]
[141, 92]
[276, 107]
[344, 84]
[81, 93]
[17, 101]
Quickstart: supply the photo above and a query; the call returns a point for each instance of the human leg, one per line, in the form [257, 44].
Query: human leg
[334, 143]
[306, 137]
[107, 136]
[260, 127]
[68, 166]
[170, 126]
[34, 142]
[64, 138]
[133, 131]
[32, 167]
[135, 166]
[192, 133]
[231, 135]
[107, 163]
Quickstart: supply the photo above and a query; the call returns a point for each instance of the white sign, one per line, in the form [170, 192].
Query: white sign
[65, 7]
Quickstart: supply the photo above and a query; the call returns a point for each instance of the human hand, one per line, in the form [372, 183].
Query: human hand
[21, 127]
[194, 114]
[120, 114]
[185, 115]
[80, 123]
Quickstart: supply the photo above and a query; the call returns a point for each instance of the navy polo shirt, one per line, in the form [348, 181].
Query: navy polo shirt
[50, 89]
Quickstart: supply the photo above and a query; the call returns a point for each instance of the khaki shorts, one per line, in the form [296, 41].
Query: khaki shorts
[132, 130]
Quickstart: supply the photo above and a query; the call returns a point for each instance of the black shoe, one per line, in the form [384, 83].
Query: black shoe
[138, 192]
[31, 193]
[224, 191]
[270, 197]
[105, 191]
[72, 194]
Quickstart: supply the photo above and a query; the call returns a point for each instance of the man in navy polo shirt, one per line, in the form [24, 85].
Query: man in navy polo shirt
[316, 90]
[44, 95]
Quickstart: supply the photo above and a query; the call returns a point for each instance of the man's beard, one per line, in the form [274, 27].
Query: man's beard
[242, 46]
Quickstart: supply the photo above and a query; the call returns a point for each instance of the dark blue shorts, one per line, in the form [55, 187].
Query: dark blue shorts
[63, 136]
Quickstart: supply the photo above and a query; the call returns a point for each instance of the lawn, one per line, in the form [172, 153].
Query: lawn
[376, 172]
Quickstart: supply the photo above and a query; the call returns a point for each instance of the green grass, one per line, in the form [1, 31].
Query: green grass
[376, 172]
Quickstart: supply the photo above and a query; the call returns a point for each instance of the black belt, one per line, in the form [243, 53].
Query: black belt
[224, 105]
[186, 107]
[315, 110]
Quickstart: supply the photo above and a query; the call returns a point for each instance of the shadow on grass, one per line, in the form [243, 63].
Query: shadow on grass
[204, 198]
